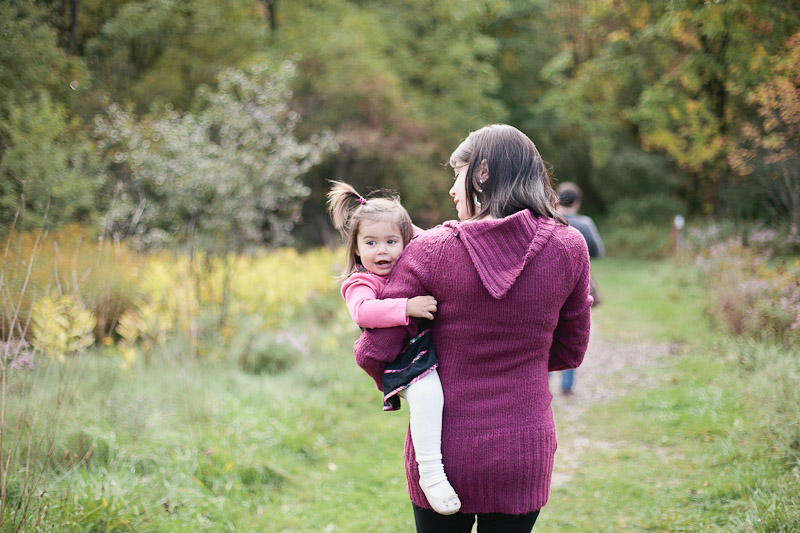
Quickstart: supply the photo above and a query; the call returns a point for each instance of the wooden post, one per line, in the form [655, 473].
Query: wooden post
[677, 234]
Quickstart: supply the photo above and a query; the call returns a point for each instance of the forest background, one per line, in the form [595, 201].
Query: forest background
[171, 334]
[654, 108]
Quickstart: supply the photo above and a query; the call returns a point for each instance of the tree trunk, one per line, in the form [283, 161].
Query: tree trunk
[73, 27]
[270, 5]
[62, 23]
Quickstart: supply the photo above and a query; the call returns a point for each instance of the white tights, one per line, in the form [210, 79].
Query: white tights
[425, 403]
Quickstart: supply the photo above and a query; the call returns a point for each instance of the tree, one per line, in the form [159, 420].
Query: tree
[31, 62]
[228, 174]
[400, 83]
[715, 54]
[45, 157]
[155, 52]
[49, 173]
[770, 148]
[652, 90]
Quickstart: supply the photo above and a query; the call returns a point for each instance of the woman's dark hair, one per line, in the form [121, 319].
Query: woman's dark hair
[517, 177]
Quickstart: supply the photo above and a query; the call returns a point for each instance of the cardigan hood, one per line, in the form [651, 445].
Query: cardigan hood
[500, 248]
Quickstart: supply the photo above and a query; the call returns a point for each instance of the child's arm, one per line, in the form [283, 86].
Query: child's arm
[370, 312]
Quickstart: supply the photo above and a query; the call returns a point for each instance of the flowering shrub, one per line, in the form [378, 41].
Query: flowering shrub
[749, 291]
[16, 354]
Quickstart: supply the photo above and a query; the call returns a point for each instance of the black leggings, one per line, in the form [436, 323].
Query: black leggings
[428, 521]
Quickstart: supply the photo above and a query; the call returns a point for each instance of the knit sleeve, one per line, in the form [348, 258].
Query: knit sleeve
[571, 336]
[376, 347]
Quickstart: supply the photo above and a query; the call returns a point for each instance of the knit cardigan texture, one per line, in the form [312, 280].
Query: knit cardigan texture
[513, 304]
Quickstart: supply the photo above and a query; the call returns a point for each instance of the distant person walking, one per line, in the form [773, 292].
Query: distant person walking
[569, 202]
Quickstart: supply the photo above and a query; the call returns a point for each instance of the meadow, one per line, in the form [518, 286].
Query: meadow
[256, 418]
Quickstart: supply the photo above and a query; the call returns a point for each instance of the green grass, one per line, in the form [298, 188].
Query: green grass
[706, 442]
[696, 449]
[648, 300]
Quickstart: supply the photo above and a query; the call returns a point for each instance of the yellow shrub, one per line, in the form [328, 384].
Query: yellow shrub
[175, 289]
[71, 260]
[75, 286]
[61, 326]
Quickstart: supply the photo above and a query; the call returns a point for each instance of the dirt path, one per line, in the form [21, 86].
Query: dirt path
[608, 371]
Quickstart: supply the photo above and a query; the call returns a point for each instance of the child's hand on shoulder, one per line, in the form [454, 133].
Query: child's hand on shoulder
[421, 307]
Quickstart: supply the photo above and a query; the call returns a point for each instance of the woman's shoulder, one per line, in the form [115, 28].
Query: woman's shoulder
[570, 239]
[433, 237]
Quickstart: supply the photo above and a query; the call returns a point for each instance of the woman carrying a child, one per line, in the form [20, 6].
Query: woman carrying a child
[511, 284]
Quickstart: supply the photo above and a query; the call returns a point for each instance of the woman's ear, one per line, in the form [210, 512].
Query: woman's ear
[483, 172]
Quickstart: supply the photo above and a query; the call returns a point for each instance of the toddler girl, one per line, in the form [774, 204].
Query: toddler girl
[376, 231]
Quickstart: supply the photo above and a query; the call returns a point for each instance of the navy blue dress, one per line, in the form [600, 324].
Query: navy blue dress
[417, 360]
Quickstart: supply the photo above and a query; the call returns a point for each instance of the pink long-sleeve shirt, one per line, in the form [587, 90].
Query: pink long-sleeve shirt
[513, 303]
[360, 292]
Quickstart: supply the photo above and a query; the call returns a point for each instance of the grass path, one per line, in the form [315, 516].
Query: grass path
[611, 369]
[665, 431]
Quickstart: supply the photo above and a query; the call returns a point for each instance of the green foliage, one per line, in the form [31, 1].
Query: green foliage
[265, 352]
[615, 94]
[693, 111]
[158, 51]
[640, 240]
[31, 62]
[400, 84]
[83, 449]
[639, 187]
[227, 175]
[50, 173]
[671, 78]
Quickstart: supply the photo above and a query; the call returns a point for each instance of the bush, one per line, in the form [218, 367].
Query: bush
[749, 293]
[642, 241]
[266, 352]
[775, 375]
[82, 448]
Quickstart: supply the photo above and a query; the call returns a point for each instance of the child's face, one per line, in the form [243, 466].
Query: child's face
[379, 246]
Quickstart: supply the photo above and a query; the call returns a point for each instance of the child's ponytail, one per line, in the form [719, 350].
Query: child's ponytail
[343, 200]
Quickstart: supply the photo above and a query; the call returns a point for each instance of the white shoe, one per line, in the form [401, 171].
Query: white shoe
[450, 504]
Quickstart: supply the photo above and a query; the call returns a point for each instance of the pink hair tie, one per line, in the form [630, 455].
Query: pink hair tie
[362, 200]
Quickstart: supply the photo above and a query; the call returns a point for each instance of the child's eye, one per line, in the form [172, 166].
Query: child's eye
[370, 243]
[392, 241]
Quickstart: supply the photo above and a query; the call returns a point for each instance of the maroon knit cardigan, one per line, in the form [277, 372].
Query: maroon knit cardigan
[514, 303]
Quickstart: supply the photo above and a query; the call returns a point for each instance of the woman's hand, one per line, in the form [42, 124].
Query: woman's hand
[421, 307]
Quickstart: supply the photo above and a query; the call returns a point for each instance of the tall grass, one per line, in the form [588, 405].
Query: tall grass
[106, 440]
